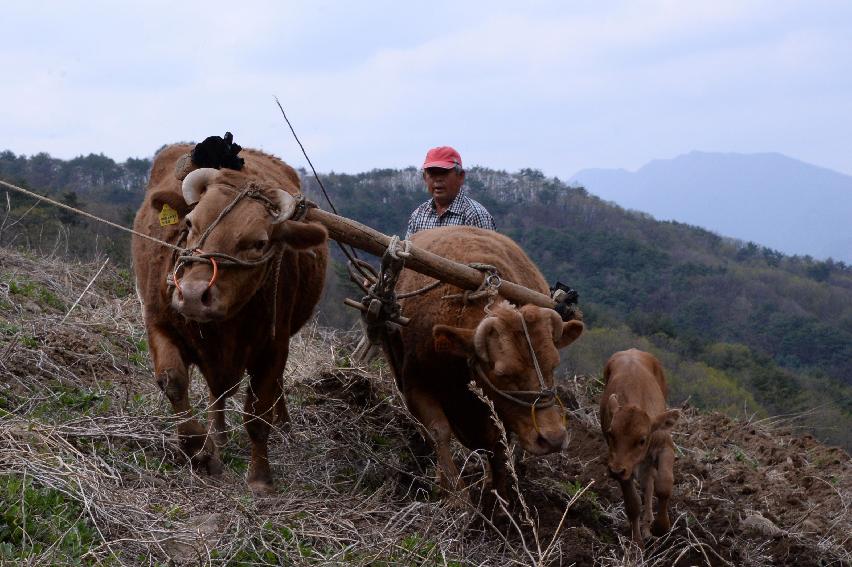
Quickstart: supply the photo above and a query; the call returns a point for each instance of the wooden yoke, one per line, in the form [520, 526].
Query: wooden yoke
[361, 236]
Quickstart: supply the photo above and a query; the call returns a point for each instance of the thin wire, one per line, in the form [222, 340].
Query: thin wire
[330, 204]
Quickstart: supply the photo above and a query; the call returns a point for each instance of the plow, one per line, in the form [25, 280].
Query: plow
[379, 308]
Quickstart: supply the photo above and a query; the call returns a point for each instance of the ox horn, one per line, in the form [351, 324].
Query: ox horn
[479, 336]
[557, 326]
[195, 182]
[286, 205]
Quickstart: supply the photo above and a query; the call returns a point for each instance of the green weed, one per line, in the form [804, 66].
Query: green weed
[588, 503]
[34, 291]
[140, 356]
[35, 518]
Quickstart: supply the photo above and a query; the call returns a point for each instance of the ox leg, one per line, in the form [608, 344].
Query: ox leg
[648, 474]
[282, 416]
[172, 376]
[261, 400]
[501, 480]
[664, 485]
[216, 417]
[633, 508]
[428, 412]
[216, 411]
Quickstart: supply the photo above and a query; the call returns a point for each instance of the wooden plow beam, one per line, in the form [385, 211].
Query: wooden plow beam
[361, 236]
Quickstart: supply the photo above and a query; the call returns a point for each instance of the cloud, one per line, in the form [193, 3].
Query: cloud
[544, 84]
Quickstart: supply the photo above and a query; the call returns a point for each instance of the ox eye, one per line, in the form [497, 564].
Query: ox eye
[259, 245]
[188, 223]
[641, 441]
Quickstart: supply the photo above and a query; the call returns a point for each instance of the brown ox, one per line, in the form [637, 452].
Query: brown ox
[637, 427]
[446, 335]
[241, 319]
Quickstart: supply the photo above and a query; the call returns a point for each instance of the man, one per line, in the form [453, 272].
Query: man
[449, 205]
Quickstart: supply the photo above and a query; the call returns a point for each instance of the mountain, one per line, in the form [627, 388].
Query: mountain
[770, 199]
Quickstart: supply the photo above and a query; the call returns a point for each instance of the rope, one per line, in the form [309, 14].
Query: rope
[549, 395]
[423, 289]
[488, 288]
[350, 254]
[532, 353]
[512, 395]
[89, 215]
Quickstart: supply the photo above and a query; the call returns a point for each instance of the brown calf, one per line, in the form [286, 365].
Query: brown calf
[637, 427]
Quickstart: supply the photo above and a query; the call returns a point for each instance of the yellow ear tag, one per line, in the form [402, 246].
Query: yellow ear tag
[168, 216]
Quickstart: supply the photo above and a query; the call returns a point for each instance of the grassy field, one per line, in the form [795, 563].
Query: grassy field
[90, 472]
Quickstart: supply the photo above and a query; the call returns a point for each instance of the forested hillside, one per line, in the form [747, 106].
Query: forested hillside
[739, 327]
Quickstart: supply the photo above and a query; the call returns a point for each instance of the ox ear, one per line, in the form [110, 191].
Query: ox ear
[612, 405]
[453, 340]
[665, 421]
[170, 198]
[300, 235]
[571, 330]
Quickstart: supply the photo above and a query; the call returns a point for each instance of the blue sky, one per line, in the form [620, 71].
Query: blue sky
[558, 86]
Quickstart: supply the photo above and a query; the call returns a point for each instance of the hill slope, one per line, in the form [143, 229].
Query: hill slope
[90, 472]
[770, 199]
[741, 328]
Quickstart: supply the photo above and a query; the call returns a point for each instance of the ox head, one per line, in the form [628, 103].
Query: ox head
[249, 232]
[630, 433]
[499, 347]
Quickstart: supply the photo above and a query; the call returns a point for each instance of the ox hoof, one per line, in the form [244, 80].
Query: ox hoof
[660, 528]
[207, 463]
[261, 488]
[459, 501]
[282, 416]
[220, 438]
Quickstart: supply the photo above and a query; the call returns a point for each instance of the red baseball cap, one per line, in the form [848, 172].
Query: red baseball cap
[442, 156]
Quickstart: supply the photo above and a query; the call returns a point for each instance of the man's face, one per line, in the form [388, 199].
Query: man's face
[443, 184]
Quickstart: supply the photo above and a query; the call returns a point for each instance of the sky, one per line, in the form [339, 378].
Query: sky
[557, 86]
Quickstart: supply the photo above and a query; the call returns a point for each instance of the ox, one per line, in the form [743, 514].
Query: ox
[451, 341]
[233, 313]
[637, 427]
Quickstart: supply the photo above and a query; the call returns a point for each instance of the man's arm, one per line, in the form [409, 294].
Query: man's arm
[479, 216]
[410, 229]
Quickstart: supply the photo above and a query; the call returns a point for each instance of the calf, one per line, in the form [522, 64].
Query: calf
[637, 427]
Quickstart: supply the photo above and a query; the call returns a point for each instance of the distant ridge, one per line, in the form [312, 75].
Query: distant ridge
[767, 198]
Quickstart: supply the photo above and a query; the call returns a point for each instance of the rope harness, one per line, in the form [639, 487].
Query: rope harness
[542, 399]
[380, 310]
[184, 256]
[187, 256]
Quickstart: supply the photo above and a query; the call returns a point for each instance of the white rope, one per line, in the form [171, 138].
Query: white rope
[91, 216]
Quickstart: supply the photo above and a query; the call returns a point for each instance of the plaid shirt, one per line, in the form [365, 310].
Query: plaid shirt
[462, 211]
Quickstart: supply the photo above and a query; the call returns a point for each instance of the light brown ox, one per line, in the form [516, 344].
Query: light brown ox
[445, 335]
[225, 327]
[637, 427]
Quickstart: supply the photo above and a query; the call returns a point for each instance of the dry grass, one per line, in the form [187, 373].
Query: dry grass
[83, 422]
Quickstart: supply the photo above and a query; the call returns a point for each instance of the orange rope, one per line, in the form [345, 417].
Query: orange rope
[212, 278]
[215, 273]
[561, 406]
[176, 279]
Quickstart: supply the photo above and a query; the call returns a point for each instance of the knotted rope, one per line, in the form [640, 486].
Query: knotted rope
[543, 398]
